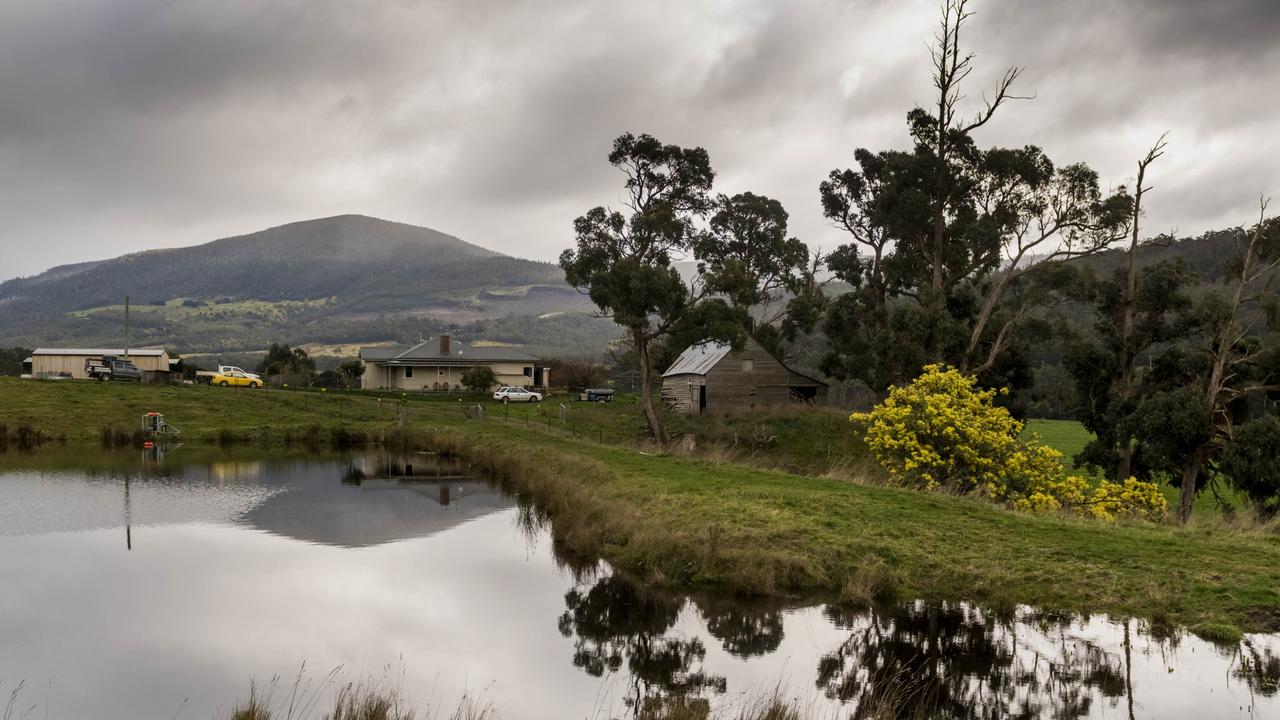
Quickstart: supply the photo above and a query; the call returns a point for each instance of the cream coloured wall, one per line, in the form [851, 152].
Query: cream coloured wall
[73, 365]
[378, 376]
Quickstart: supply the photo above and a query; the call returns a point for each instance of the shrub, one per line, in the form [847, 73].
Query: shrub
[942, 432]
[479, 378]
[1250, 461]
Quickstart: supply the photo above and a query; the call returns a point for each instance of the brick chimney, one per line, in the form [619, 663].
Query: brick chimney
[444, 344]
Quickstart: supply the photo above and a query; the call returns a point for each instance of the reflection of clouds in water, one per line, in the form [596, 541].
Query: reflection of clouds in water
[367, 501]
[199, 607]
[36, 502]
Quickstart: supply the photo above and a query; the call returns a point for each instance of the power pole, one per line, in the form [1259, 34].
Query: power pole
[126, 327]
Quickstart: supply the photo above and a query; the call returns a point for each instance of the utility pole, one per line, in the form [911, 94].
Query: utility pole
[126, 327]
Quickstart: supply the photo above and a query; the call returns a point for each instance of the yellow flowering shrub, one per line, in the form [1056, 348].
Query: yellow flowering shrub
[1132, 499]
[943, 432]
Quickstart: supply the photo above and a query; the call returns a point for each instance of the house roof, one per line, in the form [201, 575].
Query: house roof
[698, 359]
[141, 352]
[429, 351]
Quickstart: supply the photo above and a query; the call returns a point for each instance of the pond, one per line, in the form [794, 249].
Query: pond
[138, 585]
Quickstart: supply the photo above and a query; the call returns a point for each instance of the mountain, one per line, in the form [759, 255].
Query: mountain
[332, 281]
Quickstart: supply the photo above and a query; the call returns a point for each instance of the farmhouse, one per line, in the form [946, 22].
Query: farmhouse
[439, 364]
[712, 376]
[70, 362]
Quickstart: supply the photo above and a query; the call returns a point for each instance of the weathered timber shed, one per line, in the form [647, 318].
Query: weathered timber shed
[708, 377]
[70, 362]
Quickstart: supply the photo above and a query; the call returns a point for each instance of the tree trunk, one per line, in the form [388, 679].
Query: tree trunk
[646, 391]
[984, 316]
[1124, 462]
[1187, 492]
[1124, 383]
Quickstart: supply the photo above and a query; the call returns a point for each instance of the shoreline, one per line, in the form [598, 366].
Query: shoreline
[693, 524]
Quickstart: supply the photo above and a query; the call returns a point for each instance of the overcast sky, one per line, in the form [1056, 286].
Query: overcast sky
[134, 125]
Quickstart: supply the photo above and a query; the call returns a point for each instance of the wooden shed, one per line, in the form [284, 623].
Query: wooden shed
[712, 376]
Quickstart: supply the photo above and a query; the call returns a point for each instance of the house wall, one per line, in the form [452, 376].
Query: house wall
[680, 393]
[730, 386]
[426, 377]
[73, 365]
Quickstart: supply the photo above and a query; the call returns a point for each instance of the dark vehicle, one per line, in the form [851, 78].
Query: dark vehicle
[598, 395]
[112, 368]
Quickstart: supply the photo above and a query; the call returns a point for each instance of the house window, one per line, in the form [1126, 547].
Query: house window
[528, 372]
[748, 365]
[408, 372]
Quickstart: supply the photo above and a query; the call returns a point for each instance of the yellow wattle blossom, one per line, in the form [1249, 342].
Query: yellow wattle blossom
[944, 431]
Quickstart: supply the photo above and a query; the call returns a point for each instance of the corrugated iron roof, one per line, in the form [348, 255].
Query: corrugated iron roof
[145, 352]
[430, 350]
[698, 359]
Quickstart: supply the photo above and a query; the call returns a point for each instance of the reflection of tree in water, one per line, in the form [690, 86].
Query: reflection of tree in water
[948, 660]
[1259, 668]
[615, 622]
[743, 630]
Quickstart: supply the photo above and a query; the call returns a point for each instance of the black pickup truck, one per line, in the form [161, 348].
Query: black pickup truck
[112, 368]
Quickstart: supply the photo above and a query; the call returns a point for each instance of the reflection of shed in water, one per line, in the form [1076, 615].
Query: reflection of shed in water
[380, 499]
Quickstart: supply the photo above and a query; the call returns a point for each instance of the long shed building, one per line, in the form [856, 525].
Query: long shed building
[710, 377]
[70, 362]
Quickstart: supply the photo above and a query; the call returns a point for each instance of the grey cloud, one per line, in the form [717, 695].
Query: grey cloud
[134, 125]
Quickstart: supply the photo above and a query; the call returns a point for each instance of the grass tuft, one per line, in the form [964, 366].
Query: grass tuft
[872, 581]
[1218, 633]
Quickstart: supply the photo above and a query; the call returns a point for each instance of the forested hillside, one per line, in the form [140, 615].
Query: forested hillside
[334, 280]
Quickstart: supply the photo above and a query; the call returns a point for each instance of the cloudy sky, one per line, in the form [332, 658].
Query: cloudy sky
[134, 125]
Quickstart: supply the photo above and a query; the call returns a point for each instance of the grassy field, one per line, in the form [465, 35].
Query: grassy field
[1066, 436]
[691, 517]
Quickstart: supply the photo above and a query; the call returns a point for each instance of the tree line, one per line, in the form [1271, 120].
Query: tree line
[965, 256]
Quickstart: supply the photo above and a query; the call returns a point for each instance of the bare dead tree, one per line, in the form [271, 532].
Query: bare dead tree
[950, 68]
[1258, 258]
[1123, 386]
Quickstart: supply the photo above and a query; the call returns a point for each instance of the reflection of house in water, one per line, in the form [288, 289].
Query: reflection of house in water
[380, 499]
[368, 500]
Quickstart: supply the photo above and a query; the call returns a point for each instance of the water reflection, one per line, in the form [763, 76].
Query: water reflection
[243, 565]
[615, 623]
[379, 499]
[1260, 668]
[744, 630]
[351, 502]
[916, 659]
[961, 662]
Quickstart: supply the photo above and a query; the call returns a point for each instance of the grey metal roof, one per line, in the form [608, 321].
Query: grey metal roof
[459, 352]
[145, 352]
[698, 359]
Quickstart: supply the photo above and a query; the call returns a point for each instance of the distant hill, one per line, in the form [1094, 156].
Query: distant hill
[344, 279]
[1205, 255]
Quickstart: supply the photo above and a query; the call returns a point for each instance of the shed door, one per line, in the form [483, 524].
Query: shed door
[702, 399]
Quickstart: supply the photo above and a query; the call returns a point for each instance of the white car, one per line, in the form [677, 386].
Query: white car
[229, 369]
[515, 394]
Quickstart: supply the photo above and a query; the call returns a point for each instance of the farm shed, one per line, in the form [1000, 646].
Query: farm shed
[70, 362]
[708, 377]
[438, 365]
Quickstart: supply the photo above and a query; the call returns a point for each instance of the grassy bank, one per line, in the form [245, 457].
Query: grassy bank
[684, 520]
[77, 411]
